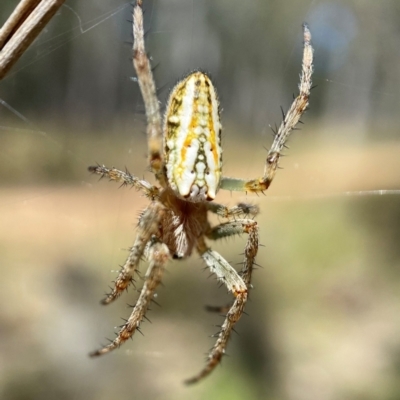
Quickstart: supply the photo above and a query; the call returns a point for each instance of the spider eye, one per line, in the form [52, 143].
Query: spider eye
[193, 151]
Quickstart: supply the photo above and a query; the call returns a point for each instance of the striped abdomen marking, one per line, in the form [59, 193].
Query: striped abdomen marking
[193, 153]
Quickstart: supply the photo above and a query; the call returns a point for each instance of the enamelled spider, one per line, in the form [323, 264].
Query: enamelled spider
[185, 155]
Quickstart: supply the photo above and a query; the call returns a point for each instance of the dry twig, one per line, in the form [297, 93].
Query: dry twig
[21, 29]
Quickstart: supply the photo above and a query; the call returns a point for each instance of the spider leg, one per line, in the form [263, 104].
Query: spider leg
[158, 255]
[148, 226]
[147, 86]
[289, 122]
[231, 229]
[238, 227]
[238, 284]
[233, 212]
[150, 191]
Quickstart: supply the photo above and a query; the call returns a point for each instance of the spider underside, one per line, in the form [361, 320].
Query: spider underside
[185, 155]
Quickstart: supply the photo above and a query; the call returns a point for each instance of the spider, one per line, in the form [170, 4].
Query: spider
[185, 155]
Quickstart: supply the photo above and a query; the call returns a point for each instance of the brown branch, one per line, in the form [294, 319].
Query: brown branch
[22, 28]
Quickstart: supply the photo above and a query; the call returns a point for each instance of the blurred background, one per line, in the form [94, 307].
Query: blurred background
[324, 317]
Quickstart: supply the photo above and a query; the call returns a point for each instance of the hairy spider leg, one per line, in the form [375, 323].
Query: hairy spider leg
[158, 255]
[148, 226]
[241, 209]
[238, 284]
[289, 122]
[125, 178]
[147, 86]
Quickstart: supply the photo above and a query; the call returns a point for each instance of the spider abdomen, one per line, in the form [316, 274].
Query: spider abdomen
[192, 141]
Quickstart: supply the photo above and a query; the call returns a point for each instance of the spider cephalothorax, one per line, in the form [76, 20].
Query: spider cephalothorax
[186, 158]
